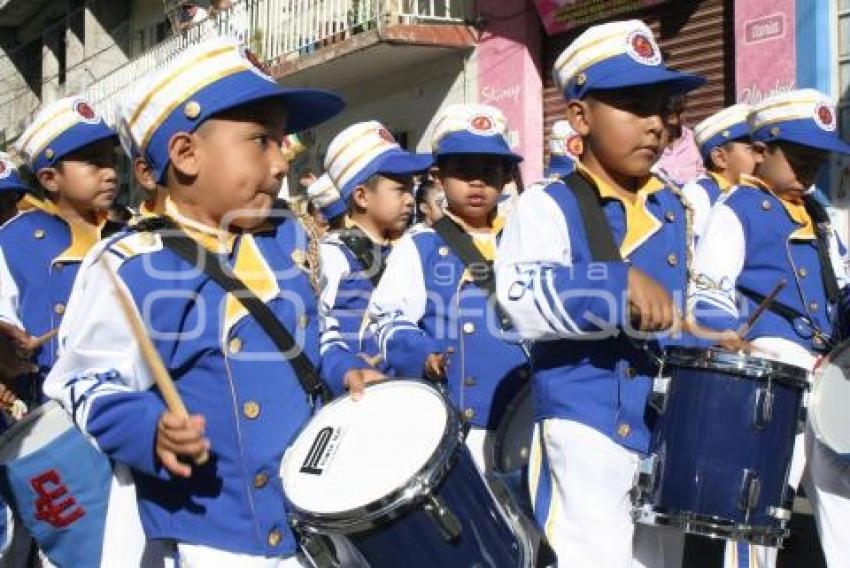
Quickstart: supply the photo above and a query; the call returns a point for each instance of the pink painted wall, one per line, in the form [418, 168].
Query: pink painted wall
[507, 56]
[765, 48]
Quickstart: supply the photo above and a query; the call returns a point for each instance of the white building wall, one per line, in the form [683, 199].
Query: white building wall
[405, 103]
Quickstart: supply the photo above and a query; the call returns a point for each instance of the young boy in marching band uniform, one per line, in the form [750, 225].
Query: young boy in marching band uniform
[375, 180]
[210, 126]
[591, 381]
[726, 148]
[432, 318]
[771, 228]
[14, 358]
[71, 151]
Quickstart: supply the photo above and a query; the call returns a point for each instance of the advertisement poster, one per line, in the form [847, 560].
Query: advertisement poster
[561, 15]
[765, 49]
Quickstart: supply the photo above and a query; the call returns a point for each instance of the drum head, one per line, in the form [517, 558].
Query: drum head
[828, 405]
[354, 454]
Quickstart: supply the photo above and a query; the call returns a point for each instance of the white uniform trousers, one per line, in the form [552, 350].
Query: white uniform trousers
[199, 556]
[479, 441]
[580, 482]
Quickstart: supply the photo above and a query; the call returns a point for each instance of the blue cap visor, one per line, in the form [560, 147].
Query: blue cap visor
[622, 72]
[463, 142]
[392, 163]
[803, 131]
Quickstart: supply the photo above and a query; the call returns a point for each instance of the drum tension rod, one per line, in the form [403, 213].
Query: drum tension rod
[446, 521]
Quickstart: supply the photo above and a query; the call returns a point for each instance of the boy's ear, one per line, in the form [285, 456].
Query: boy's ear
[718, 157]
[359, 196]
[578, 115]
[144, 174]
[49, 179]
[183, 154]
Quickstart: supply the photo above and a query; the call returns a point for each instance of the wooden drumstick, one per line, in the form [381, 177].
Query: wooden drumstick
[42, 339]
[762, 307]
[150, 354]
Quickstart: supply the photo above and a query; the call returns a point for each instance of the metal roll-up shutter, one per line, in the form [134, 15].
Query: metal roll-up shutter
[695, 36]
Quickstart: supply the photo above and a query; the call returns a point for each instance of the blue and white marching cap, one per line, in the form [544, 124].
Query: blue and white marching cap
[472, 129]
[208, 78]
[324, 195]
[721, 127]
[565, 141]
[804, 116]
[10, 181]
[366, 149]
[59, 129]
[616, 55]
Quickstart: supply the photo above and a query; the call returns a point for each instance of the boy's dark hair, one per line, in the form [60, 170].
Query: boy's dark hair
[306, 172]
[709, 163]
[371, 184]
[425, 189]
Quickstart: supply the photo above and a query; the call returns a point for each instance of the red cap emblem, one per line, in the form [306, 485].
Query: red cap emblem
[643, 46]
[386, 135]
[84, 110]
[481, 122]
[575, 146]
[825, 116]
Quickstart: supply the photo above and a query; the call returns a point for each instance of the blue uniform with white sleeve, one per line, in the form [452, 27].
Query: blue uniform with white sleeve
[232, 510]
[427, 301]
[590, 382]
[704, 191]
[41, 251]
[754, 239]
[352, 258]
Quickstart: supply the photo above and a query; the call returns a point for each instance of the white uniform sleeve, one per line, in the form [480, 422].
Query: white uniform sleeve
[538, 282]
[701, 206]
[9, 295]
[397, 306]
[718, 262]
[101, 370]
[334, 267]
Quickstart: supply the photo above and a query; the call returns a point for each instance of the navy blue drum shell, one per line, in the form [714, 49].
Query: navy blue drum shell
[413, 540]
[709, 437]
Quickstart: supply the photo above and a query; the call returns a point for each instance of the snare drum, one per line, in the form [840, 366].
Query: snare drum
[392, 473]
[58, 484]
[721, 449]
[829, 403]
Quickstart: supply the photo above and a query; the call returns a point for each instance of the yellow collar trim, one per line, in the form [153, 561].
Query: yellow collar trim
[755, 182]
[213, 239]
[483, 239]
[722, 182]
[251, 267]
[641, 224]
[796, 211]
[83, 235]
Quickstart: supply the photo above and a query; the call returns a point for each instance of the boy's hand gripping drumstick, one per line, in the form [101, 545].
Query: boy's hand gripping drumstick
[150, 354]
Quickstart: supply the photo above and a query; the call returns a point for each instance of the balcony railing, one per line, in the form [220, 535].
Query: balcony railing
[279, 30]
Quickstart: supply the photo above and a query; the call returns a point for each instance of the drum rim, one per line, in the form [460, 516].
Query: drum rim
[815, 397]
[712, 526]
[392, 505]
[32, 416]
[736, 363]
